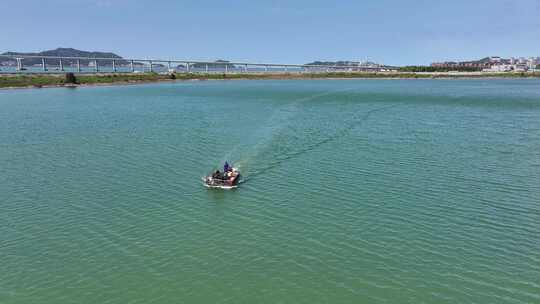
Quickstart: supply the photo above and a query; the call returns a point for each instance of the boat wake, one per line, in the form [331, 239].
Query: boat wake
[280, 132]
[280, 159]
[264, 138]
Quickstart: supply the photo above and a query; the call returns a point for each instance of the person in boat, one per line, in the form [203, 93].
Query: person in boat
[216, 174]
[226, 167]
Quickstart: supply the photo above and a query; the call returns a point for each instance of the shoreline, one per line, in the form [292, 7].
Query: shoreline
[29, 81]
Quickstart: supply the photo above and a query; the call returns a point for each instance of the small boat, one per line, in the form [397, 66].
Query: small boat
[228, 179]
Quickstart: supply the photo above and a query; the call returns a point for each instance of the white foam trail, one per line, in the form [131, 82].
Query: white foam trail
[276, 122]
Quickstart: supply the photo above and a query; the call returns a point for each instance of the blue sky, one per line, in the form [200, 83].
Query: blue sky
[391, 32]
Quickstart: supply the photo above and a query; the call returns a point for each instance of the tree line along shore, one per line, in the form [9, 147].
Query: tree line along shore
[70, 79]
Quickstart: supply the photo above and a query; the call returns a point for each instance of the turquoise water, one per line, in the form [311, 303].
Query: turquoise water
[356, 191]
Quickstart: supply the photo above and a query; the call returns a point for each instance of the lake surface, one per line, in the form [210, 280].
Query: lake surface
[355, 191]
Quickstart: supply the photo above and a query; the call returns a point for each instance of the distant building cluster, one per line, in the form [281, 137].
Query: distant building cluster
[493, 64]
[514, 65]
[463, 64]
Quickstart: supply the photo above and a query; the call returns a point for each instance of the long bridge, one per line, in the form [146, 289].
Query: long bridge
[58, 64]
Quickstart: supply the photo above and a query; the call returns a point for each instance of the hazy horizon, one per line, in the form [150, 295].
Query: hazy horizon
[388, 32]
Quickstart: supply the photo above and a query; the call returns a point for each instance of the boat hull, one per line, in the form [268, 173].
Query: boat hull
[210, 182]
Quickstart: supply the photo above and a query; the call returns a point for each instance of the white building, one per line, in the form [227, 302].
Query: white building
[495, 59]
[499, 68]
[532, 62]
[520, 68]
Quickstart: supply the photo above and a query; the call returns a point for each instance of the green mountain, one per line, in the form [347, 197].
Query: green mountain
[334, 63]
[218, 64]
[64, 52]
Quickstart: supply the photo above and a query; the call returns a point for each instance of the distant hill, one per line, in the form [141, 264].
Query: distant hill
[344, 63]
[218, 64]
[63, 52]
[334, 63]
[483, 60]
